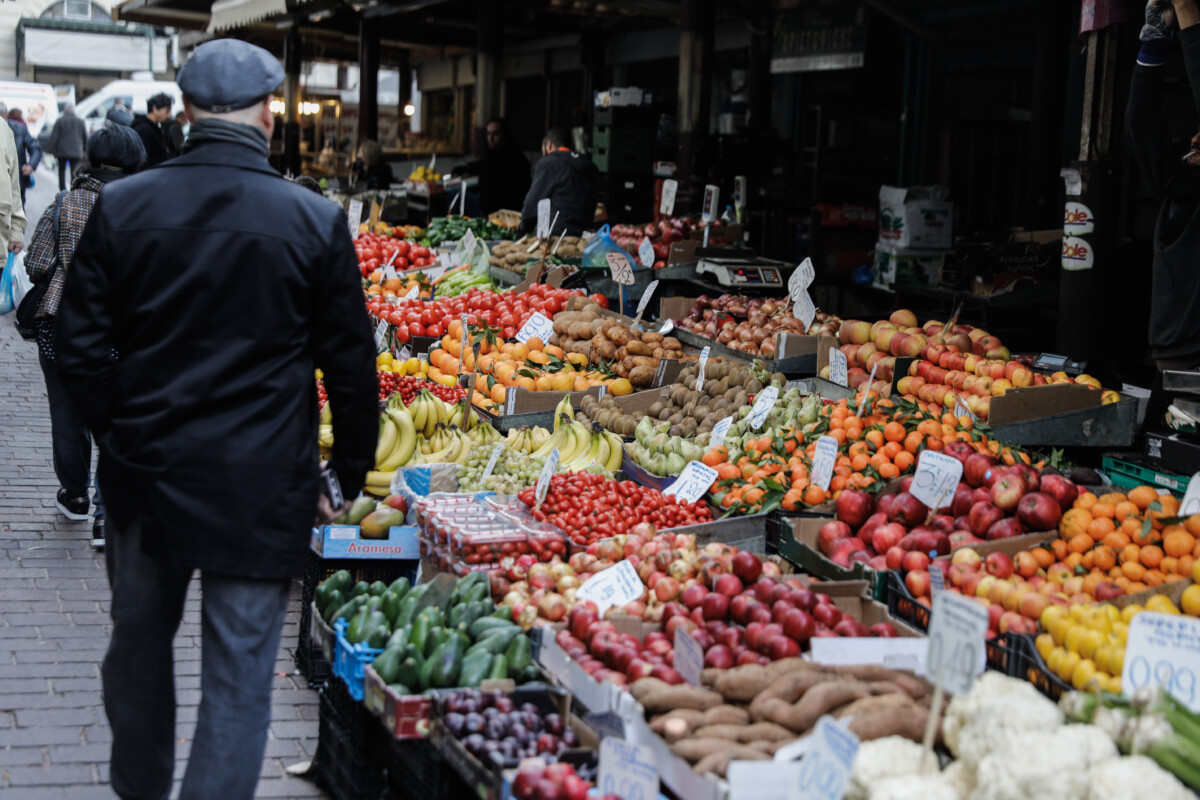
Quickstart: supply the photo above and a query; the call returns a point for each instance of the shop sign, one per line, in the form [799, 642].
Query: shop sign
[819, 35]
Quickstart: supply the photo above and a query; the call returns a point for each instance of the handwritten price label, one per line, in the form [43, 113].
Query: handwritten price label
[957, 627]
[867, 388]
[689, 656]
[380, 332]
[700, 369]
[641, 307]
[1163, 650]
[802, 278]
[621, 269]
[1191, 498]
[961, 410]
[717, 437]
[627, 770]
[491, 465]
[839, 367]
[824, 460]
[465, 333]
[693, 482]
[354, 217]
[667, 327]
[413, 293]
[825, 768]
[548, 470]
[389, 271]
[937, 581]
[646, 253]
[762, 406]
[666, 206]
[937, 475]
[615, 586]
[539, 326]
[805, 310]
[543, 218]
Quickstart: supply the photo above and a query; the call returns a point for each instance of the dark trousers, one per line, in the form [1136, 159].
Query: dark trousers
[70, 438]
[64, 174]
[242, 623]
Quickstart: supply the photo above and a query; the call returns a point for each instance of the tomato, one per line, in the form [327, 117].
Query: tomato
[434, 330]
[599, 300]
[402, 247]
[402, 335]
[416, 329]
[428, 317]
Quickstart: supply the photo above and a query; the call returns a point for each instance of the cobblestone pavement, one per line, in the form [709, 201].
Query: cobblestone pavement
[54, 623]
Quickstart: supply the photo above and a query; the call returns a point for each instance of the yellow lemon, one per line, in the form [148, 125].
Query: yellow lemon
[1191, 601]
[1083, 674]
[1052, 612]
[413, 366]
[1074, 638]
[1101, 656]
[1112, 684]
[383, 359]
[1067, 665]
[1116, 661]
[1055, 659]
[1130, 611]
[1077, 612]
[1089, 642]
[1114, 613]
[1162, 604]
[1044, 644]
[1058, 629]
[1121, 630]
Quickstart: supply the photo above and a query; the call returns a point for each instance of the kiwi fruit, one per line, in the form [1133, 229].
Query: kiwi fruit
[655, 408]
[741, 399]
[754, 386]
[664, 415]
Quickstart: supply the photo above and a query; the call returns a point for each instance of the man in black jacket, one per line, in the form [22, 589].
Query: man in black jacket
[503, 171]
[149, 127]
[68, 143]
[194, 371]
[568, 180]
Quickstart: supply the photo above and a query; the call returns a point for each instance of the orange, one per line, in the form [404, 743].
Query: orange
[814, 495]
[1118, 539]
[1130, 552]
[1124, 509]
[1143, 496]
[1100, 527]
[499, 393]
[1085, 501]
[904, 460]
[1132, 527]
[888, 470]
[534, 343]
[1169, 565]
[1155, 577]
[1177, 541]
[1151, 555]
[1105, 558]
[1074, 522]
[1103, 509]
[1186, 565]
[1112, 498]
[1134, 571]
[544, 383]
[1080, 543]
[1192, 525]
[913, 442]
[1044, 556]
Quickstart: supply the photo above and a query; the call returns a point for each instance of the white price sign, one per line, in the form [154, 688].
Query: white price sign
[615, 586]
[717, 437]
[354, 217]
[957, 627]
[380, 332]
[936, 478]
[937, 580]
[762, 406]
[627, 770]
[468, 245]
[763, 780]
[667, 327]
[824, 460]
[739, 191]
[700, 369]
[867, 388]
[689, 656]
[462, 350]
[548, 470]
[491, 465]
[692, 483]
[825, 768]
[646, 253]
[712, 196]
[839, 367]
[621, 269]
[641, 307]
[961, 410]
[802, 278]
[898, 652]
[539, 326]
[666, 206]
[413, 293]
[389, 272]
[1191, 498]
[405, 353]
[1163, 650]
[543, 218]
[805, 310]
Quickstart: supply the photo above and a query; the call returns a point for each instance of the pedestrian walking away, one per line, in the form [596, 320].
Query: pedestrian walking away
[12, 210]
[29, 153]
[68, 142]
[169, 356]
[114, 152]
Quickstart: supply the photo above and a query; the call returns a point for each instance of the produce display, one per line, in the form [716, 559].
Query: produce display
[631, 353]
[517, 256]
[751, 324]
[453, 228]
[491, 722]
[460, 280]
[375, 251]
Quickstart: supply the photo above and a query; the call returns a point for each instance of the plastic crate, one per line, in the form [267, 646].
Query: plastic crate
[309, 659]
[1128, 471]
[1032, 668]
[343, 759]
[1002, 651]
[414, 770]
[349, 661]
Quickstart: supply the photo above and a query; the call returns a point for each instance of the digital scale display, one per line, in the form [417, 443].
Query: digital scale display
[741, 274]
[1052, 362]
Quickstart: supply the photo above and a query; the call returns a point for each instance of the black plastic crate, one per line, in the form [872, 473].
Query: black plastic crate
[362, 726]
[343, 763]
[309, 659]
[1032, 668]
[415, 770]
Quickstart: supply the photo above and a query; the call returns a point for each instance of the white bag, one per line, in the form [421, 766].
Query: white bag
[21, 282]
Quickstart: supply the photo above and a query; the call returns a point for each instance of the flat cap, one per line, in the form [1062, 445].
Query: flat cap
[228, 74]
[119, 116]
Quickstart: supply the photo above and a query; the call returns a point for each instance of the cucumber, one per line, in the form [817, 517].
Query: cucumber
[420, 634]
[360, 589]
[425, 674]
[483, 625]
[377, 588]
[477, 592]
[400, 586]
[498, 670]
[374, 602]
[519, 655]
[474, 669]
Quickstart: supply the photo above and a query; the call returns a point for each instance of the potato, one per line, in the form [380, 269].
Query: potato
[605, 349]
[598, 326]
[639, 348]
[726, 715]
[641, 376]
[645, 361]
[680, 697]
[622, 353]
[652, 337]
[618, 334]
[671, 343]
[580, 330]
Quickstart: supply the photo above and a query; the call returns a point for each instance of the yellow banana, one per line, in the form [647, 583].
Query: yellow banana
[603, 450]
[386, 439]
[465, 449]
[433, 419]
[446, 454]
[379, 483]
[325, 436]
[419, 409]
[552, 441]
[563, 409]
[406, 438]
[616, 448]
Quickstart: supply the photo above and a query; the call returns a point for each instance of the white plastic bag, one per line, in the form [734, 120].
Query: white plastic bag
[21, 282]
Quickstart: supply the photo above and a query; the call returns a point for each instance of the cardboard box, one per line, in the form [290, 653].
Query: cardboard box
[854, 598]
[1035, 402]
[346, 541]
[899, 266]
[918, 217]
[997, 266]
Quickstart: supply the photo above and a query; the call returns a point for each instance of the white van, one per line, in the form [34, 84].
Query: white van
[94, 108]
[38, 104]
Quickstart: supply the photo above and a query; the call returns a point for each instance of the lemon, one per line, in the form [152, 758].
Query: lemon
[1077, 611]
[1052, 612]
[1101, 656]
[1083, 674]
[1045, 645]
[400, 368]
[383, 359]
[1090, 642]
[1067, 665]
[1112, 684]
[1097, 620]
[1074, 638]
[1162, 604]
[1114, 613]
[1191, 601]
[1130, 611]
[1054, 660]
[1116, 661]
[1121, 630]
[413, 365]
[1058, 629]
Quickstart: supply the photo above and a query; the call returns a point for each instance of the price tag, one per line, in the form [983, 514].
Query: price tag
[538, 326]
[462, 200]
[462, 350]
[389, 272]
[354, 217]
[824, 460]
[1191, 498]
[667, 327]
[666, 206]
[839, 367]
[825, 768]
[468, 244]
[762, 406]
[717, 437]
[392, 260]
[543, 218]
[693, 482]
[937, 581]
[645, 301]
[937, 476]
[957, 627]
[700, 364]
[867, 388]
[548, 470]
[405, 353]
[805, 310]
[413, 293]
[802, 278]
[712, 195]
[689, 656]
[1163, 650]
[380, 332]
[646, 253]
[561, 236]
[433, 161]
[491, 465]
[622, 271]
[763, 780]
[615, 586]
[961, 410]
[627, 770]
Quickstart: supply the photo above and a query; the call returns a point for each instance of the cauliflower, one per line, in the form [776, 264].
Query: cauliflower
[889, 757]
[996, 708]
[960, 777]
[1042, 764]
[914, 787]
[1133, 776]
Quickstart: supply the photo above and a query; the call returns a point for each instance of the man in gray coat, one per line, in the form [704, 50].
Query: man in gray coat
[68, 143]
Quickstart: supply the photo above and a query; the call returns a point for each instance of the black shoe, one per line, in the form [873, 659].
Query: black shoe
[98, 533]
[73, 506]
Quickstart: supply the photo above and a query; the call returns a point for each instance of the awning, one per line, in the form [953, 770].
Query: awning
[228, 14]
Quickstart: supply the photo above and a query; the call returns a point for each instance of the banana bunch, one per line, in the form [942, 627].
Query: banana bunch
[581, 448]
[484, 434]
[526, 440]
[456, 415]
[428, 411]
[563, 410]
[425, 174]
[447, 444]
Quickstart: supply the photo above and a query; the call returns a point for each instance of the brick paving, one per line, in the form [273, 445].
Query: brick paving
[54, 624]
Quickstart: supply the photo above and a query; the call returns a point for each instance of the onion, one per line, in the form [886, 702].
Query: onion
[768, 308]
[751, 349]
[767, 349]
[758, 320]
[710, 329]
[695, 312]
[703, 301]
[746, 335]
[725, 336]
[758, 335]
[737, 309]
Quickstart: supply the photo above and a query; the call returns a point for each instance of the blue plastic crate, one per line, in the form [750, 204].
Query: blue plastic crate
[350, 661]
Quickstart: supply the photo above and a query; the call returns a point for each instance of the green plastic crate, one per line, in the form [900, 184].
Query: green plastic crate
[1127, 472]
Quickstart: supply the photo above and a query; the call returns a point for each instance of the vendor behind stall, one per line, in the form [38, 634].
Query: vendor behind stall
[569, 180]
[503, 171]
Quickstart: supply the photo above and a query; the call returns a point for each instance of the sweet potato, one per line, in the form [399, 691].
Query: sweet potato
[680, 697]
[874, 703]
[789, 687]
[718, 763]
[689, 716]
[695, 749]
[709, 676]
[726, 715]
[908, 722]
[675, 729]
[730, 732]
[742, 684]
[764, 732]
[914, 686]
[817, 701]
[644, 686]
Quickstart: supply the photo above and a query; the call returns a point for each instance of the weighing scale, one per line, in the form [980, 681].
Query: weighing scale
[743, 271]
[1049, 362]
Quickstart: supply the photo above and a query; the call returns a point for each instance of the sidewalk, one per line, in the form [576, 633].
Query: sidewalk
[54, 625]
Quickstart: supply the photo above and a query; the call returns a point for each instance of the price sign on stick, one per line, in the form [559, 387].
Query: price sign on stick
[693, 482]
[462, 349]
[645, 301]
[413, 293]
[712, 196]
[689, 656]
[380, 333]
[802, 278]
[543, 218]
[839, 368]
[433, 161]
[825, 768]
[762, 406]
[824, 460]
[462, 200]
[717, 437]
[666, 206]
[866, 388]
[619, 266]
[561, 236]
[961, 410]
[936, 478]
[354, 217]
[389, 271]
[1191, 498]
[1163, 650]
[957, 627]
[805, 310]
[937, 581]
[491, 465]
[538, 326]
[700, 364]
[627, 770]
[615, 586]
[646, 253]
[548, 470]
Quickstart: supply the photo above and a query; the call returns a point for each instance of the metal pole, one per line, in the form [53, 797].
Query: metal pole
[291, 102]
[487, 70]
[368, 80]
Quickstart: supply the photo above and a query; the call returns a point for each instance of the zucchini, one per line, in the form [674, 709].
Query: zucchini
[474, 669]
[484, 625]
[519, 655]
[498, 670]
[377, 588]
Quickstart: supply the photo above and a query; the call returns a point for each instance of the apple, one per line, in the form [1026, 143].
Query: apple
[995, 612]
[908, 510]
[827, 614]
[802, 597]
[886, 537]
[1025, 565]
[1033, 604]
[763, 588]
[799, 625]
[850, 628]
[967, 556]
[780, 647]
[1005, 529]
[1008, 491]
[830, 534]
[962, 536]
[728, 584]
[1039, 512]
[915, 560]
[732, 637]
[958, 573]
[882, 630]
[739, 608]
[842, 553]
[962, 501]
[1061, 489]
[747, 567]
[715, 606]
[983, 516]
[1030, 475]
[903, 318]
[854, 507]
[998, 564]
[917, 582]
[667, 589]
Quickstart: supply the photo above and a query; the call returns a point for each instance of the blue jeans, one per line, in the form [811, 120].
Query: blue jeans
[242, 623]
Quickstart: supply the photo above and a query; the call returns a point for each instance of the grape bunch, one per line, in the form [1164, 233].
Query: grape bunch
[513, 471]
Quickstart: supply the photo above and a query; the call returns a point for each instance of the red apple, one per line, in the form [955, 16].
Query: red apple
[958, 573]
[715, 606]
[693, 596]
[895, 557]
[998, 564]
[732, 637]
[908, 510]
[1005, 529]
[761, 613]
[830, 534]
[842, 553]
[763, 588]
[739, 608]
[854, 507]
[666, 674]
[1039, 512]
[983, 516]
[917, 583]
[883, 630]
[799, 625]
[915, 560]
[850, 628]
[802, 597]
[886, 537]
[747, 567]
[1028, 474]
[962, 501]
[1061, 489]
[827, 614]
[1008, 491]
[781, 647]
[718, 657]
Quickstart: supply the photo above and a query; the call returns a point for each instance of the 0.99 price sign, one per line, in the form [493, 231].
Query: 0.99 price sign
[1163, 650]
[627, 770]
[957, 628]
[825, 768]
